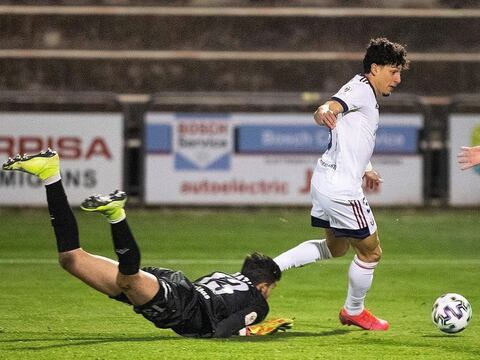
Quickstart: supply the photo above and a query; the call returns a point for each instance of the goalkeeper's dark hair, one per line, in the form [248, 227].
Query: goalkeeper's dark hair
[261, 269]
[381, 51]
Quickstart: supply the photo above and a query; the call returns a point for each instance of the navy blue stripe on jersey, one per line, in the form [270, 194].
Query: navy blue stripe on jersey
[366, 81]
[343, 103]
[357, 234]
[316, 222]
[329, 139]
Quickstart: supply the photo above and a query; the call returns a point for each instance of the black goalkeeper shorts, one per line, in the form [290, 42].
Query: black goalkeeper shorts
[174, 303]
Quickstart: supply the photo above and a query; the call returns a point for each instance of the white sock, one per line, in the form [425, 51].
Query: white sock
[52, 179]
[303, 254]
[360, 277]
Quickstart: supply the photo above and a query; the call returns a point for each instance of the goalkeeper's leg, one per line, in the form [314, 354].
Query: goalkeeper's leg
[139, 286]
[96, 271]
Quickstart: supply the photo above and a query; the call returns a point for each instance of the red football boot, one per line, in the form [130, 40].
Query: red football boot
[365, 320]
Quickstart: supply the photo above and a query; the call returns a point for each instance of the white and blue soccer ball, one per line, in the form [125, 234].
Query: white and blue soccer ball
[451, 313]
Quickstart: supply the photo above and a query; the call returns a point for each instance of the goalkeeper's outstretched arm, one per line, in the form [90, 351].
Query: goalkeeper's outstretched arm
[267, 327]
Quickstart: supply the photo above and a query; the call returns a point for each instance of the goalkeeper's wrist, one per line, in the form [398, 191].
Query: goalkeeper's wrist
[244, 332]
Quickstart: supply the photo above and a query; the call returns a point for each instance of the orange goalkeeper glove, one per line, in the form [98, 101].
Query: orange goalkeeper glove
[268, 327]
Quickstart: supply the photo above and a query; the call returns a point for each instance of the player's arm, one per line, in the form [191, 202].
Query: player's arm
[326, 114]
[234, 323]
[468, 157]
[372, 178]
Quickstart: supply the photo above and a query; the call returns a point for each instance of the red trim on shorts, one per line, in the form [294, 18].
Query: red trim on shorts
[363, 214]
[356, 212]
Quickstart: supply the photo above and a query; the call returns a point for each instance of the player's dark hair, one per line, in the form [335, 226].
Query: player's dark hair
[381, 51]
[261, 268]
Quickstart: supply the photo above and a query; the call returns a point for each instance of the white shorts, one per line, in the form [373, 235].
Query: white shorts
[347, 218]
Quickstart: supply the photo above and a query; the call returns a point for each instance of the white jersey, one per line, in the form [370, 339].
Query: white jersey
[340, 169]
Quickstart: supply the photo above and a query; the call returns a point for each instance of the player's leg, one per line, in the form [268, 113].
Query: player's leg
[304, 253]
[361, 271]
[338, 246]
[139, 286]
[360, 278]
[96, 271]
[312, 250]
[355, 224]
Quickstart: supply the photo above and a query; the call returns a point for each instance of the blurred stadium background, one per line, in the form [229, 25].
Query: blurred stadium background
[210, 102]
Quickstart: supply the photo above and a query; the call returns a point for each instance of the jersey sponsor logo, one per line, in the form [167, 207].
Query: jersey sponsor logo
[202, 292]
[332, 166]
[122, 251]
[250, 318]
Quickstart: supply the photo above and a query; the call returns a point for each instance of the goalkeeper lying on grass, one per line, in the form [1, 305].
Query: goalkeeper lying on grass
[216, 305]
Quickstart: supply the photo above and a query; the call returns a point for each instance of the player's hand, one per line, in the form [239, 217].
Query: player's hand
[468, 157]
[372, 180]
[269, 327]
[327, 118]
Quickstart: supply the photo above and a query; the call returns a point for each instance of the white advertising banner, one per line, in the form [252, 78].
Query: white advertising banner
[258, 159]
[464, 185]
[90, 146]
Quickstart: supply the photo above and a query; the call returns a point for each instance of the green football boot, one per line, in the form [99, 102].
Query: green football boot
[111, 205]
[44, 164]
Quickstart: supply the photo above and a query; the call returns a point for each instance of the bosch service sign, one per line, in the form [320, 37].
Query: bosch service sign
[255, 159]
[90, 146]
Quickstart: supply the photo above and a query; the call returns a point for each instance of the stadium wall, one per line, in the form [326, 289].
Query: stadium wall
[133, 59]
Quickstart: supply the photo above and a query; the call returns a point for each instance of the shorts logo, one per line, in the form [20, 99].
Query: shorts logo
[250, 318]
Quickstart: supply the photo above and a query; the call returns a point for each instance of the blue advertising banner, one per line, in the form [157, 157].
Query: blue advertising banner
[158, 139]
[266, 158]
[281, 139]
[312, 139]
[401, 140]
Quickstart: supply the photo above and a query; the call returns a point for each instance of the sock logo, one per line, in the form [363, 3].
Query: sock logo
[121, 251]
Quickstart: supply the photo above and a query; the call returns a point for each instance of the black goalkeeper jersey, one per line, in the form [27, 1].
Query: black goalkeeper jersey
[216, 305]
[229, 302]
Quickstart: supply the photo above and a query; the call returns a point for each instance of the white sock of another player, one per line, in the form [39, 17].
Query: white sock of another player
[303, 254]
[360, 277]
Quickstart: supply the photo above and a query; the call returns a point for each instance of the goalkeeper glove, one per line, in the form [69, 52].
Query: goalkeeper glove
[267, 327]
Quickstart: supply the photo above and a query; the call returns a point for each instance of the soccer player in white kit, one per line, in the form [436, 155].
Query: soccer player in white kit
[338, 203]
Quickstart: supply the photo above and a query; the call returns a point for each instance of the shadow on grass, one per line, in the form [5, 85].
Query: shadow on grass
[289, 335]
[81, 341]
[442, 336]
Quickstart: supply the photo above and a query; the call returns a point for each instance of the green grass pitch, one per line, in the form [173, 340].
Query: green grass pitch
[47, 314]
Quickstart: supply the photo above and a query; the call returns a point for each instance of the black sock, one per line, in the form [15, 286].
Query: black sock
[63, 220]
[126, 248]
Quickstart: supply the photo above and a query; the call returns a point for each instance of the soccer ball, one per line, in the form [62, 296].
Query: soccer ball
[451, 313]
